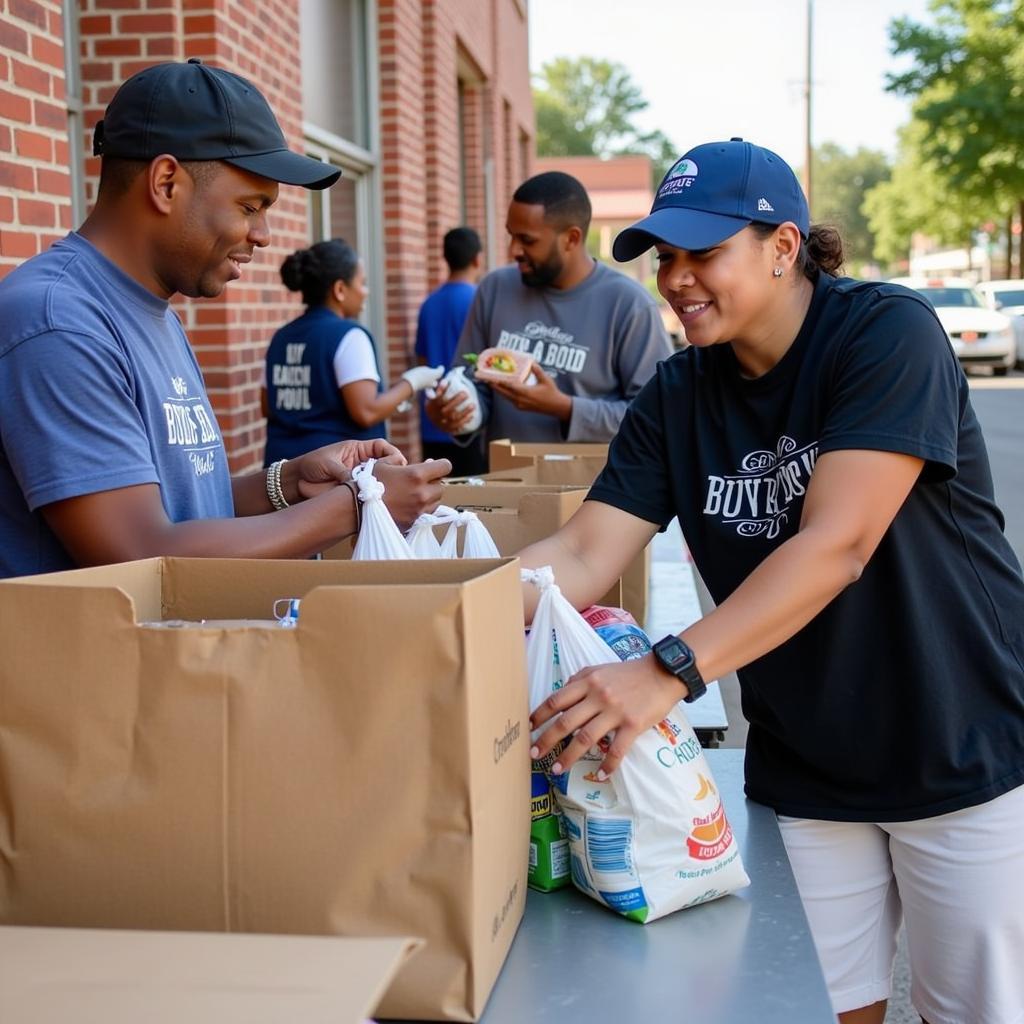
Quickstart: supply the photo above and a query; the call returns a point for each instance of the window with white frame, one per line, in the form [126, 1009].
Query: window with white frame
[339, 96]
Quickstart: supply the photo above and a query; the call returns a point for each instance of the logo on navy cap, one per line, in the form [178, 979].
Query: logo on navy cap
[682, 175]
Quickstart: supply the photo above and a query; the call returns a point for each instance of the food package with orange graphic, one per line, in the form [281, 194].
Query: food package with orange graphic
[654, 837]
[503, 365]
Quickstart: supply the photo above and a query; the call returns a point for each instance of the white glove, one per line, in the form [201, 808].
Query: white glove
[422, 377]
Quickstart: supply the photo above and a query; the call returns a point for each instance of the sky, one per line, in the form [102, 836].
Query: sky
[713, 70]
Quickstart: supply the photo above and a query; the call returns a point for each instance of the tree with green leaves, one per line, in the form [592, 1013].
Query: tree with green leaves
[967, 85]
[918, 197]
[586, 107]
[841, 181]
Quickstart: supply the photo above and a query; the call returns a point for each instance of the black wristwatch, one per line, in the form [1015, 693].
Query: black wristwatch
[677, 658]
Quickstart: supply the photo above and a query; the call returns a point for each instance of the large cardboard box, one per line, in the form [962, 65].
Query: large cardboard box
[365, 773]
[94, 976]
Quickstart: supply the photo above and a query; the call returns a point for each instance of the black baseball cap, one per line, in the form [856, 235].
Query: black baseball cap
[196, 112]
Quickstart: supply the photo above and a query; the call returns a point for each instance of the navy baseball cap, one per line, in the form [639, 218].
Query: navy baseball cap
[196, 112]
[712, 192]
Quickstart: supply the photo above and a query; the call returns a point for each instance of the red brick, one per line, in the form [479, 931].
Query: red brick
[34, 79]
[6, 209]
[36, 213]
[32, 145]
[28, 10]
[129, 46]
[97, 71]
[16, 176]
[15, 108]
[48, 52]
[50, 115]
[60, 152]
[18, 244]
[146, 23]
[6, 139]
[12, 37]
[162, 46]
[55, 21]
[90, 25]
[196, 24]
[53, 183]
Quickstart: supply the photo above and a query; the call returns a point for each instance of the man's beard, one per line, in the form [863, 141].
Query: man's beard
[540, 275]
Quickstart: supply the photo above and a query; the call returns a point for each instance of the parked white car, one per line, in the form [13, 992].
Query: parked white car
[980, 336]
[1008, 297]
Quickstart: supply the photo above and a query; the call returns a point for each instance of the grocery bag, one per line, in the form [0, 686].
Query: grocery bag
[379, 536]
[478, 542]
[653, 837]
[421, 539]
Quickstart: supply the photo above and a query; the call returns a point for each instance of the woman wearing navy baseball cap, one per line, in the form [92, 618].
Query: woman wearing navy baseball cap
[818, 444]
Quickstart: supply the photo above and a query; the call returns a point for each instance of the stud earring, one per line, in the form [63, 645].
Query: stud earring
[777, 272]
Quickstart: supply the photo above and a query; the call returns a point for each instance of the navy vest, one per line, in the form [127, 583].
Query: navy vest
[305, 409]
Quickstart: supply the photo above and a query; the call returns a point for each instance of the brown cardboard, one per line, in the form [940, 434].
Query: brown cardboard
[568, 464]
[97, 976]
[517, 516]
[506, 454]
[363, 774]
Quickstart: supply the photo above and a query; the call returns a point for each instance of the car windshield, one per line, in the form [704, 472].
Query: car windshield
[951, 296]
[1010, 297]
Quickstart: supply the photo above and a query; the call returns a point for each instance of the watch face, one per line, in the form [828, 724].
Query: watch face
[675, 653]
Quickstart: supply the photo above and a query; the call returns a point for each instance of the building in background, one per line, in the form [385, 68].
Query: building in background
[425, 104]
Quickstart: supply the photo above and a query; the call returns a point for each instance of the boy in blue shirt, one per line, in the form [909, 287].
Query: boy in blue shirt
[440, 324]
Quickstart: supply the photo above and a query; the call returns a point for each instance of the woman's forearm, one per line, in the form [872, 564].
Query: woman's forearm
[788, 589]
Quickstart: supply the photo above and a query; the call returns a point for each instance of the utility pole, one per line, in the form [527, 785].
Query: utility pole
[808, 148]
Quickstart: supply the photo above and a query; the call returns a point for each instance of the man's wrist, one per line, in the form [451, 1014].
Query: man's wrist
[564, 412]
[290, 481]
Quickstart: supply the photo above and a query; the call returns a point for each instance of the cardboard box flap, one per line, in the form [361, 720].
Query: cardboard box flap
[219, 588]
[98, 976]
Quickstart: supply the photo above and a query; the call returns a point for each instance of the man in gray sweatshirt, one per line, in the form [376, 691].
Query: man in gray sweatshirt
[594, 334]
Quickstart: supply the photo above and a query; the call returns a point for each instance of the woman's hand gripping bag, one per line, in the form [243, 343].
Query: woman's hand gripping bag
[653, 838]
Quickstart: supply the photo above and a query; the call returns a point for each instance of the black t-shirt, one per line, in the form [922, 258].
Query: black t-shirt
[904, 697]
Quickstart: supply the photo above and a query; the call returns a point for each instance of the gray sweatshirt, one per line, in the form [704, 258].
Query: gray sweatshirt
[600, 341]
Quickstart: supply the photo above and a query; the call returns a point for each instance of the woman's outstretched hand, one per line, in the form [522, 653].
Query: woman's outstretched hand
[624, 699]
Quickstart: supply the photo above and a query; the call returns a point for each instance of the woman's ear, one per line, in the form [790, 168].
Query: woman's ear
[787, 245]
[338, 291]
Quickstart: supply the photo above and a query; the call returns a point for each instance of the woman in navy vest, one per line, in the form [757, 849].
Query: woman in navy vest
[322, 379]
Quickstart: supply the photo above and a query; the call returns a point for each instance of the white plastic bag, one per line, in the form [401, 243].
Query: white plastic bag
[379, 536]
[421, 539]
[478, 542]
[459, 383]
[653, 838]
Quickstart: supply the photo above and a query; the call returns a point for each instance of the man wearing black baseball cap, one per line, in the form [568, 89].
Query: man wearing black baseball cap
[109, 447]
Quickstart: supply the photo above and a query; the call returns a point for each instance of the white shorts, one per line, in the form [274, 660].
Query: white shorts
[956, 880]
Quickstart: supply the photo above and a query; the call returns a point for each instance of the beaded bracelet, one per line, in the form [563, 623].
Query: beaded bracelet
[274, 491]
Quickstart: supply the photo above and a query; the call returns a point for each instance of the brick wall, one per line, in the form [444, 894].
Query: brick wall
[35, 187]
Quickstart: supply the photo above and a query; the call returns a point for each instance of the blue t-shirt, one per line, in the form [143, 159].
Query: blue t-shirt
[304, 404]
[99, 389]
[437, 335]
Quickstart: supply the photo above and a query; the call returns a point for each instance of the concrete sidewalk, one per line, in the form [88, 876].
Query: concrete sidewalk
[677, 598]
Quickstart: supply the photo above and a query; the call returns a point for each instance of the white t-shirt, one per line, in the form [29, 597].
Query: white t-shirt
[353, 358]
